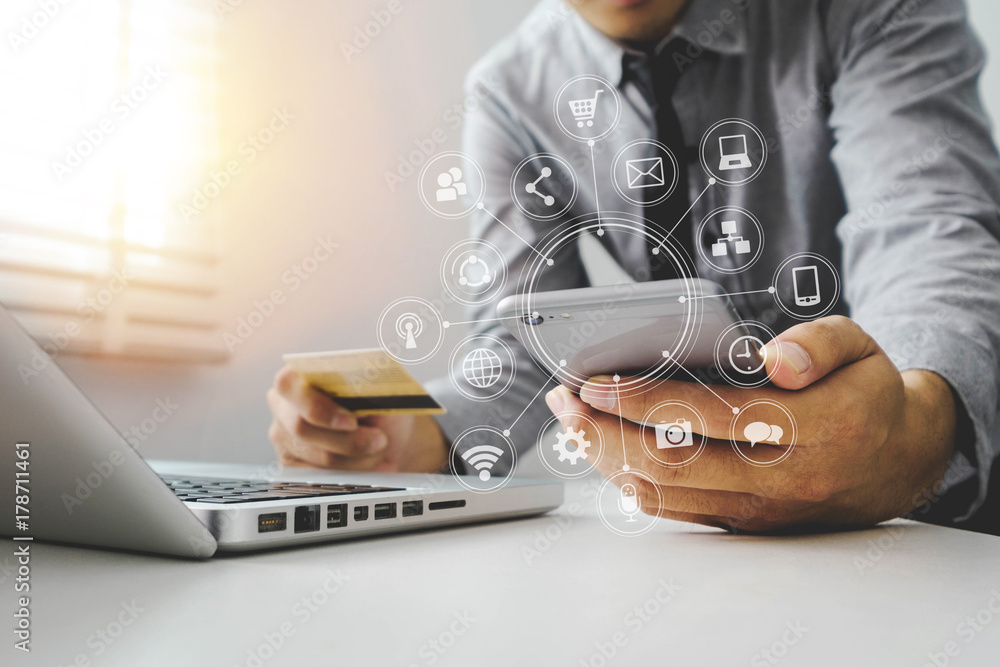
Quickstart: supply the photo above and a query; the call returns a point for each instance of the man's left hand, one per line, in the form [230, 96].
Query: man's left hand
[871, 441]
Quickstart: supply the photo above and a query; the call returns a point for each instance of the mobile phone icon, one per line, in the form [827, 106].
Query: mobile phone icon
[806, 281]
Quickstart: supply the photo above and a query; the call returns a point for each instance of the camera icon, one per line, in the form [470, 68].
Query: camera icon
[672, 435]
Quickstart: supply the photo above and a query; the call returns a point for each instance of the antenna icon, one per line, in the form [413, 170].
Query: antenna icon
[409, 327]
[483, 458]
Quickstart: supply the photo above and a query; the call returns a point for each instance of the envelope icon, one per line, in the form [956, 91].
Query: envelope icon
[645, 173]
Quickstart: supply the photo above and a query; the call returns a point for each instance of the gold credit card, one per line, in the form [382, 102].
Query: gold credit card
[366, 382]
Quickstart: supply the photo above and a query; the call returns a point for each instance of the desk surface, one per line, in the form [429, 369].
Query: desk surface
[553, 590]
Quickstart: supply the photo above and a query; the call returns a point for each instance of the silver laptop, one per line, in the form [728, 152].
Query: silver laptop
[75, 479]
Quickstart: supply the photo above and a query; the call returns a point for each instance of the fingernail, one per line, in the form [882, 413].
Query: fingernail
[796, 357]
[379, 442]
[343, 421]
[554, 400]
[601, 396]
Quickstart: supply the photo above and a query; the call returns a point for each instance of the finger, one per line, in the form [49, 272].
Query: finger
[717, 468]
[313, 405]
[716, 405]
[292, 452]
[812, 350]
[362, 441]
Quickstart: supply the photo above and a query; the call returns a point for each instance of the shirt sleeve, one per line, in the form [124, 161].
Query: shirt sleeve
[921, 175]
[499, 141]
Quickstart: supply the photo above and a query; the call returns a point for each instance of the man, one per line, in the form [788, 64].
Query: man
[881, 160]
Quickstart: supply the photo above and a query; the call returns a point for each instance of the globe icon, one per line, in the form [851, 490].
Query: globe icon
[482, 368]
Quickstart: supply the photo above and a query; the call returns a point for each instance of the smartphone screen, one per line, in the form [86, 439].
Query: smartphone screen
[806, 285]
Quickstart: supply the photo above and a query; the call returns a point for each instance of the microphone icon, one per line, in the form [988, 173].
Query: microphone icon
[628, 503]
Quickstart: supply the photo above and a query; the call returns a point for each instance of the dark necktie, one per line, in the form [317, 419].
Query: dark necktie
[669, 214]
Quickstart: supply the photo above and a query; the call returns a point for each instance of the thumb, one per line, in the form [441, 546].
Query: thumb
[809, 352]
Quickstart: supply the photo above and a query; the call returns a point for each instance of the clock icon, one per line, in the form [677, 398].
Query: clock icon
[747, 355]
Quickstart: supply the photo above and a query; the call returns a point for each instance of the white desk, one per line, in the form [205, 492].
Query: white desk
[737, 596]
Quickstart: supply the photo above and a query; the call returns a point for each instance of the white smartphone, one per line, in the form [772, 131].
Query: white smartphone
[642, 328]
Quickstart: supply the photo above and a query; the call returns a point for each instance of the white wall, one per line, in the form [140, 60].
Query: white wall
[324, 175]
[321, 176]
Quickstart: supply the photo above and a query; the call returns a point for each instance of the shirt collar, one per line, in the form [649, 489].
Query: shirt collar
[713, 25]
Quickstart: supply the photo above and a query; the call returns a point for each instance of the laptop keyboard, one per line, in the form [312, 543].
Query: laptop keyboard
[223, 491]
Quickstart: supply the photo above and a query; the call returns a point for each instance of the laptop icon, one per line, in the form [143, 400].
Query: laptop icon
[734, 153]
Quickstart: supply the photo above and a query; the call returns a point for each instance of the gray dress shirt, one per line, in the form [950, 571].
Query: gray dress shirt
[881, 160]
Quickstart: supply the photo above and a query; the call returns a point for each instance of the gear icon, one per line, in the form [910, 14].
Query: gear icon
[577, 437]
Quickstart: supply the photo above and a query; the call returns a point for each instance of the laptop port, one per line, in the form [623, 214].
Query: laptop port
[361, 513]
[306, 518]
[413, 507]
[336, 516]
[272, 523]
[385, 511]
[446, 505]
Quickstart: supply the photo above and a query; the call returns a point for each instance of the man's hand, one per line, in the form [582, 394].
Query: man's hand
[310, 429]
[871, 441]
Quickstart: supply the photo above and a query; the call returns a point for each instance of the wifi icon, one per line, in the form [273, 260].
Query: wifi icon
[483, 458]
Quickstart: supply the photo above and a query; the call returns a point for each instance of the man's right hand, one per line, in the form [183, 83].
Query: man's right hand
[310, 429]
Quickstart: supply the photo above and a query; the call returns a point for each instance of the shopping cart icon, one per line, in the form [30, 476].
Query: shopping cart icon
[584, 110]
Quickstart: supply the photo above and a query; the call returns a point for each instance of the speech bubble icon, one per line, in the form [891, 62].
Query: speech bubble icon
[756, 432]
[776, 434]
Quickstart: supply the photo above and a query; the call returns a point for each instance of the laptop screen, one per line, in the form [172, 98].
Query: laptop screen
[734, 145]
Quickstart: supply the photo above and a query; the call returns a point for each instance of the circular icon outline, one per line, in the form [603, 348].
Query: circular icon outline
[457, 382]
[497, 283]
[747, 325]
[647, 423]
[608, 88]
[791, 420]
[589, 467]
[701, 246]
[619, 222]
[425, 304]
[653, 518]
[711, 172]
[660, 147]
[453, 452]
[423, 193]
[524, 163]
[836, 282]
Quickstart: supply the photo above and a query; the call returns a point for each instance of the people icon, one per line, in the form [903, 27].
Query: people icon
[450, 185]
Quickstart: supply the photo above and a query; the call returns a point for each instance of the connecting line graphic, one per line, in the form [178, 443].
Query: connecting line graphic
[621, 422]
[447, 324]
[506, 432]
[735, 410]
[481, 207]
[769, 290]
[597, 196]
[711, 182]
